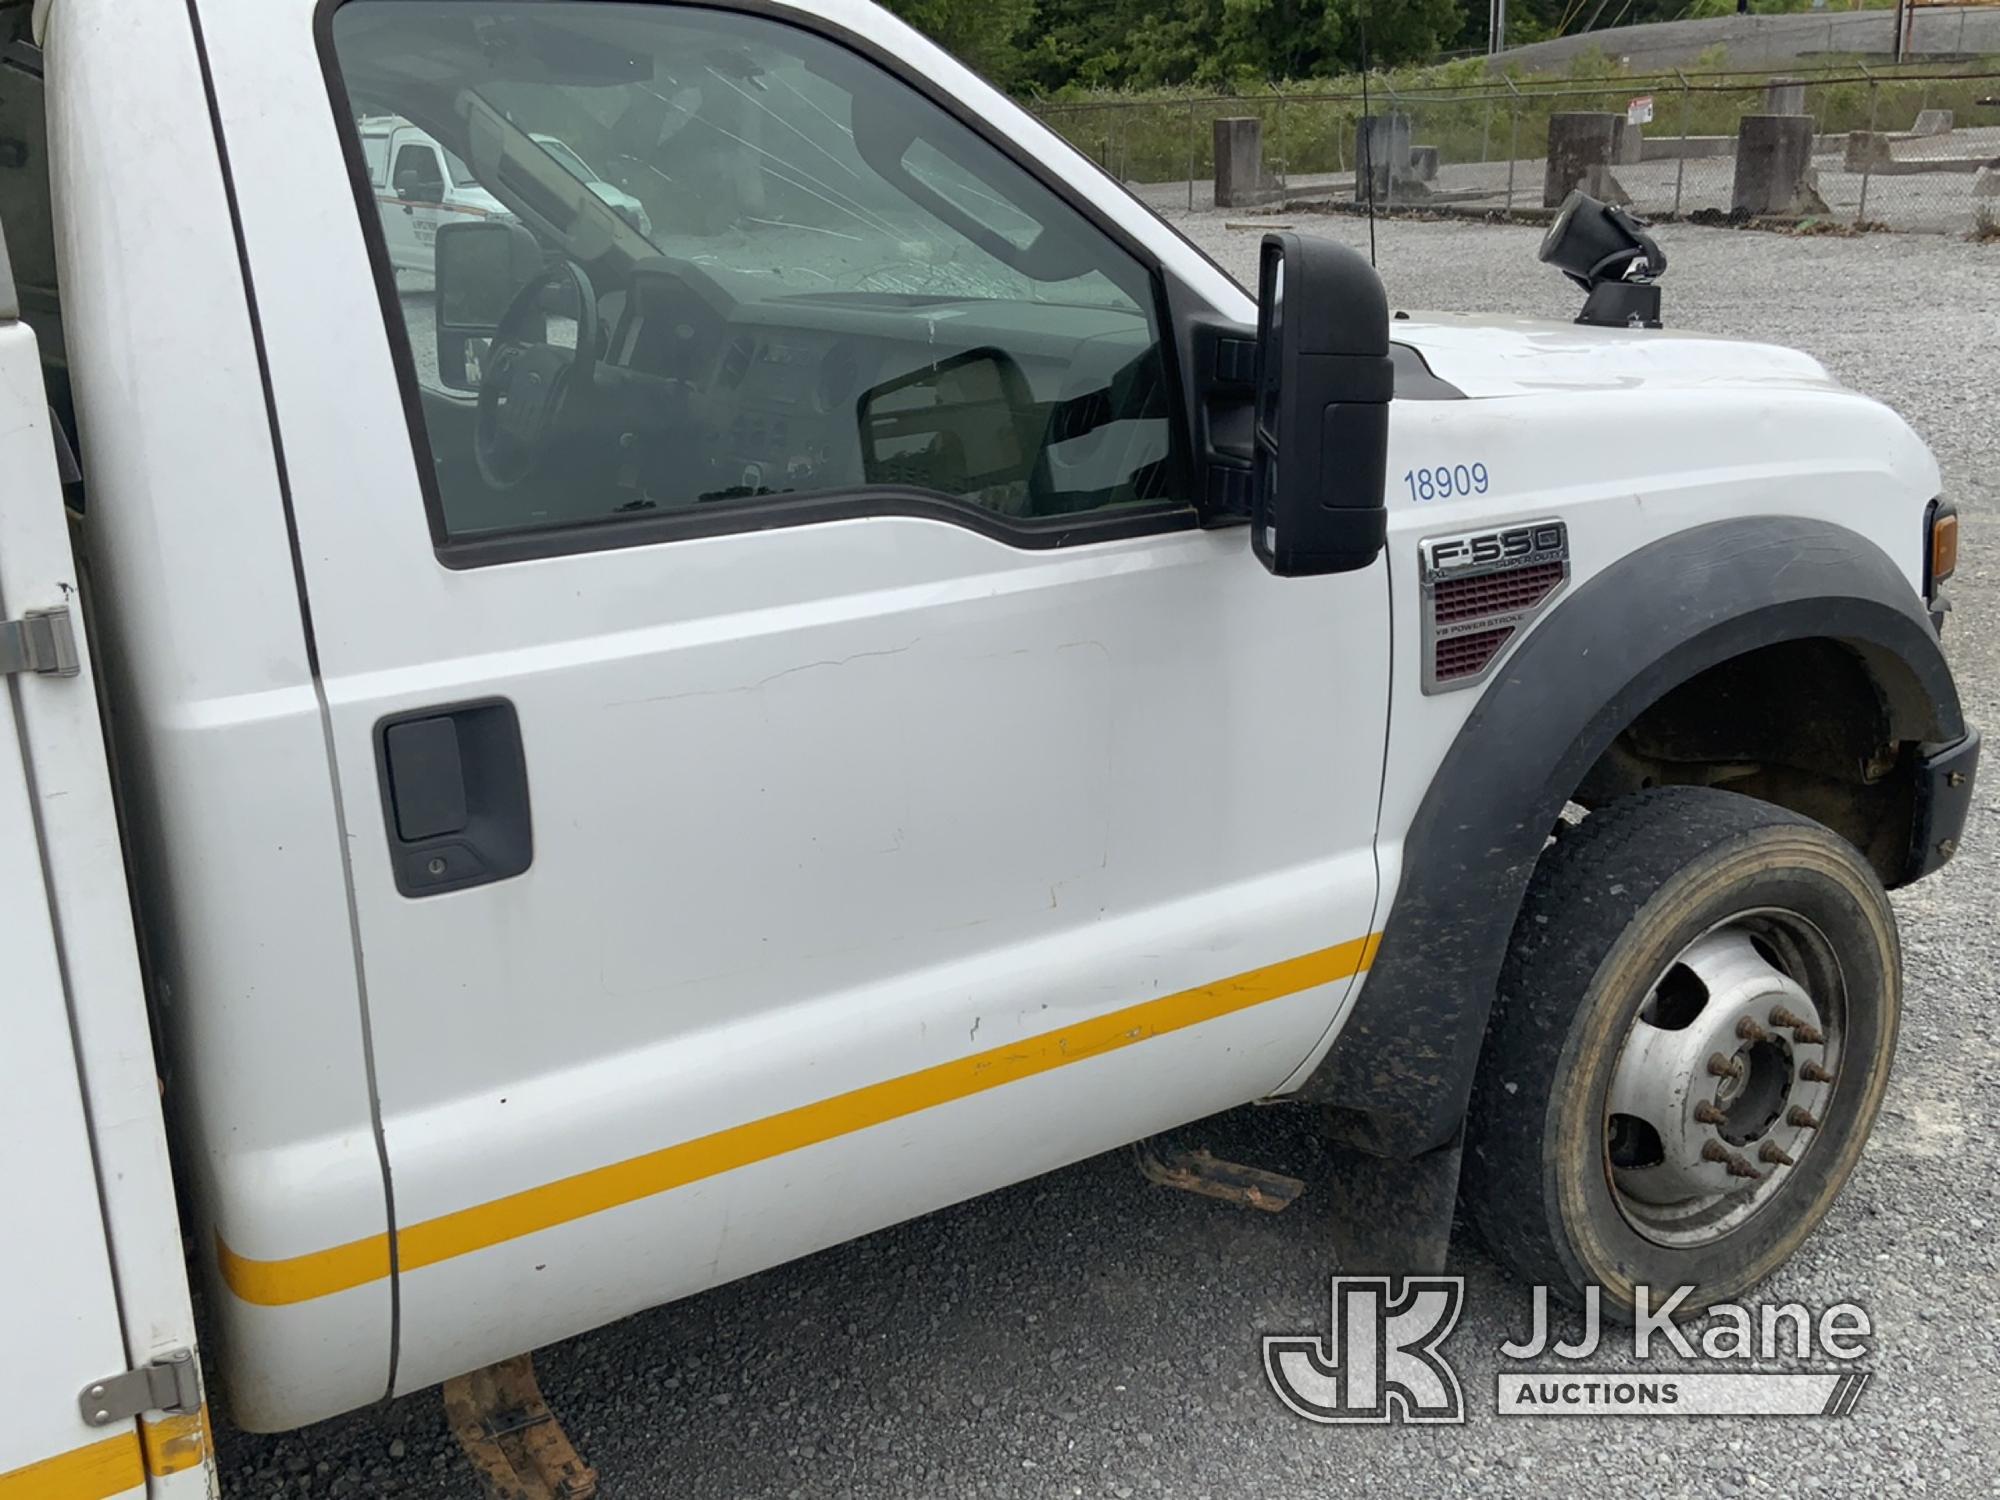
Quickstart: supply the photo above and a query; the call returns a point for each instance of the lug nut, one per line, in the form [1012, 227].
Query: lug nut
[1750, 1031]
[1802, 1117]
[1724, 1067]
[1814, 1073]
[1772, 1152]
[1708, 1114]
[1782, 1017]
[1810, 1036]
[1738, 1164]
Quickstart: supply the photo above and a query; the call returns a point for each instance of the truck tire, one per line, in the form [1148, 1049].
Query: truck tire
[1692, 1036]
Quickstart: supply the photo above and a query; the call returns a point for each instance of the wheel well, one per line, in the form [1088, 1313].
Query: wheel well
[1817, 726]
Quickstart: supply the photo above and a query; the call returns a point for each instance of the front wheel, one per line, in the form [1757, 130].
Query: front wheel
[1693, 1034]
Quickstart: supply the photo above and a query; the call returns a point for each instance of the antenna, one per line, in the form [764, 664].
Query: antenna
[1368, 133]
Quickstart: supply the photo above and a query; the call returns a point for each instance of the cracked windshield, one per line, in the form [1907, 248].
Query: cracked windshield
[652, 259]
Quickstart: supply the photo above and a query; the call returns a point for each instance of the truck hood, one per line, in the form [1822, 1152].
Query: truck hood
[1485, 356]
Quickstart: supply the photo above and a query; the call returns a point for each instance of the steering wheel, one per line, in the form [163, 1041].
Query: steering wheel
[530, 389]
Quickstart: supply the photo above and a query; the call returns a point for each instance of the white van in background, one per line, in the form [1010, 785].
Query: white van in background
[628, 208]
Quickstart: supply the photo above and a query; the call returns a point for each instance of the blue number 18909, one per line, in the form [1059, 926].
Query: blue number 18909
[1446, 481]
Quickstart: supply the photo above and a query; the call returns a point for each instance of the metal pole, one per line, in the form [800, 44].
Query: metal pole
[1191, 146]
[1389, 176]
[1496, 35]
[1681, 166]
[1513, 139]
[1284, 171]
[1868, 162]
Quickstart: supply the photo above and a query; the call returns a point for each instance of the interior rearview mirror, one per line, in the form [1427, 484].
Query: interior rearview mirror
[1324, 382]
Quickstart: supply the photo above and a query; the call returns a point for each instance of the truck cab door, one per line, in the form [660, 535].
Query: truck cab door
[81, 1143]
[410, 217]
[839, 777]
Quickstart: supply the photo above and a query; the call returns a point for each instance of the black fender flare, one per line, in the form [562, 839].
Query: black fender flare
[1400, 1073]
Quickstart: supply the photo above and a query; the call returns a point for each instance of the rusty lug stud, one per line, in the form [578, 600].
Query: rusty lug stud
[1739, 1166]
[1708, 1114]
[1724, 1067]
[1716, 1151]
[1772, 1152]
[1802, 1117]
[1750, 1031]
[1814, 1073]
[1781, 1017]
[1810, 1036]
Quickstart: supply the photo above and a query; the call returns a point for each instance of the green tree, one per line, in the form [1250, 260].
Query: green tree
[984, 32]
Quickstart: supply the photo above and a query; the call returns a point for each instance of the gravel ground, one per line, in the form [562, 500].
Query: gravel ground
[1086, 1335]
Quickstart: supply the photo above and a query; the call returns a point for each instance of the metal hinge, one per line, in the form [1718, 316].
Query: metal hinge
[40, 641]
[168, 1384]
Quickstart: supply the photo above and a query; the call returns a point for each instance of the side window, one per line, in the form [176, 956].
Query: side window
[418, 172]
[727, 265]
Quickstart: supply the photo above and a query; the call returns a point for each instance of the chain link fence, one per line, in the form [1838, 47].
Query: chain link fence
[1901, 149]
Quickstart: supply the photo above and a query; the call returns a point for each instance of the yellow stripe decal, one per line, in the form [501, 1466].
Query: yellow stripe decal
[94, 1473]
[276, 1283]
[174, 1443]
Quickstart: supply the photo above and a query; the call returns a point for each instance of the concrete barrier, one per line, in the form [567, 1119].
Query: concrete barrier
[1382, 150]
[1774, 172]
[1239, 164]
[1629, 148]
[1866, 151]
[1933, 122]
[1784, 96]
[1873, 152]
[1424, 163]
[1582, 147]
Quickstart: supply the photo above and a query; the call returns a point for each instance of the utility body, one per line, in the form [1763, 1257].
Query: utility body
[696, 713]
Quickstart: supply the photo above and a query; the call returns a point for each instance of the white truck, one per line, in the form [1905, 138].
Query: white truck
[420, 184]
[669, 750]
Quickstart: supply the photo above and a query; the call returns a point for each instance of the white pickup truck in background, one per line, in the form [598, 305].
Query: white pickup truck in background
[420, 185]
[851, 666]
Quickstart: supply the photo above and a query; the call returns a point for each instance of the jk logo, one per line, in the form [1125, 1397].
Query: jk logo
[1382, 1362]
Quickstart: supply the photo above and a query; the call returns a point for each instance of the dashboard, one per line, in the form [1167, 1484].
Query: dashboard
[725, 397]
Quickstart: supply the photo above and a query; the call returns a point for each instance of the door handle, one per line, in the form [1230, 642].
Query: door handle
[454, 796]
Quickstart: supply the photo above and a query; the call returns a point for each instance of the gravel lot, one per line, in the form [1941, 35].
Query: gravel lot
[1085, 1335]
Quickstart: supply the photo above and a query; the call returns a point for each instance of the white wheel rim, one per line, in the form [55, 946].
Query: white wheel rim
[1722, 1087]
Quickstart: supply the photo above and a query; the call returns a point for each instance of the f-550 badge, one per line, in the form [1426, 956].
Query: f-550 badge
[1481, 589]
[1510, 546]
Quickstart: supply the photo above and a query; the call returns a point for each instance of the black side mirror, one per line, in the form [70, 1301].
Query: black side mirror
[1324, 382]
[418, 188]
[480, 266]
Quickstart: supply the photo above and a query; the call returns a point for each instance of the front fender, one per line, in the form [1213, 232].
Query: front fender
[1401, 1069]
